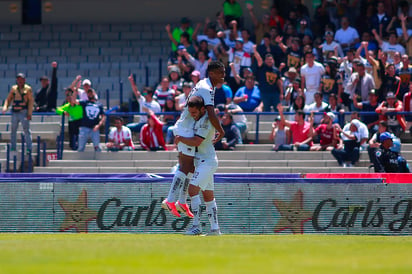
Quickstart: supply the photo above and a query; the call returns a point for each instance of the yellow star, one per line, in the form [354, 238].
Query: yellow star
[77, 213]
[293, 214]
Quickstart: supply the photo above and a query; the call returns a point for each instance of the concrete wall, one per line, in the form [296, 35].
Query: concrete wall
[123, 11]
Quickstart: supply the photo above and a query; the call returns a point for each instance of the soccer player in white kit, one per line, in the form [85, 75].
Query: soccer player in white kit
[184, 127]
[205, 166]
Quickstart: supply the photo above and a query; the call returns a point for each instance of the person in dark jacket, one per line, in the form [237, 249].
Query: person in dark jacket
[387, 160]
[46, 97]
[232, 134]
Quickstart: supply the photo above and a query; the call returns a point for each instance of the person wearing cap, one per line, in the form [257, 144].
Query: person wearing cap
[388, 161]
[240, 59]
[145, 99]
[290, 76]
[93, 118]
[374, 143]
[46, 97]
[328, 134]
[175, 81]
[177, 58]
[331, 46]
[372, 118]
[21, 100]
[270, 82]
[360, 83]
[81, 93]
[349, 152]
[311, 75]
[195, 77]
[387, 110]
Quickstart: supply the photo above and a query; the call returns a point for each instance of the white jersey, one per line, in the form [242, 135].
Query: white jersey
[204, 89]
[206, 150]
[121, 136]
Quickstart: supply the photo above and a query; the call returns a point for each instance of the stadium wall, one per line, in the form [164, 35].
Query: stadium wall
[247, 204]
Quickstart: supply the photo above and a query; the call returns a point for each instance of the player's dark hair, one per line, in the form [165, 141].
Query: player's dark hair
[196, 101]
[215, 65]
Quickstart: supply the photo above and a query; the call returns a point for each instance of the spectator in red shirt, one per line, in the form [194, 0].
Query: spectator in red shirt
[151, 135]
[302, 131]
[327, 133]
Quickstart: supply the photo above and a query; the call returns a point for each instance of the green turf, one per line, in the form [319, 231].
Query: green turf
[140, 253]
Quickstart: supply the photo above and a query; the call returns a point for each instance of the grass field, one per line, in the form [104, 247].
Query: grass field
[143, 253]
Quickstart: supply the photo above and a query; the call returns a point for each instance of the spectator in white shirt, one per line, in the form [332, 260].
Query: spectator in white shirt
[120, 137]
[311, 74]
[346, 36]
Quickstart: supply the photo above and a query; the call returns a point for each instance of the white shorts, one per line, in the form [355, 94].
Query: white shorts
[184, 132]
[186, 150]
[203, 176]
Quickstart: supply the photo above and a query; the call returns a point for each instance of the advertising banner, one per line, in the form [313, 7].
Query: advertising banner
[246, 205]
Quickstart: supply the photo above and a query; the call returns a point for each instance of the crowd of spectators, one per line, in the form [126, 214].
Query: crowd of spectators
[349, 56]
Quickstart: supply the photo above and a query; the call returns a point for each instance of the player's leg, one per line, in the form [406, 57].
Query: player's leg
[181, 204]
[211, 210]
[195, 229]
[185, 166]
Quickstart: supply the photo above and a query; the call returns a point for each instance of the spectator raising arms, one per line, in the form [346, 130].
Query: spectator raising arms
[270, 82]
[302, 131]
[151, 135]
[46, 97]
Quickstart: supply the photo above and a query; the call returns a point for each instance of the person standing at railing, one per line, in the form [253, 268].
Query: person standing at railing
[145, 99]
[93, 119]
[21, 100]
[75, 112]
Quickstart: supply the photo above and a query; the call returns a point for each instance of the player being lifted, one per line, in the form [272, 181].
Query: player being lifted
[184, 128]
[205, 166]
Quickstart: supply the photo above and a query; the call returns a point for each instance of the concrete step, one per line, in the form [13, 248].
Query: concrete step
[222, 155]
[34, 126]
[222, 163]
[6, 118]
[220, 170]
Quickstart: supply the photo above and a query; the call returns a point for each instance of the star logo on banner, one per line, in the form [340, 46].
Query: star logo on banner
[77, 213]
[293, 216]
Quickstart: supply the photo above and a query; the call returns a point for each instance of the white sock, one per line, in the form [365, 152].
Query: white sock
[211, 209]
[195, 205]
[183, 189]
[178, 179]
